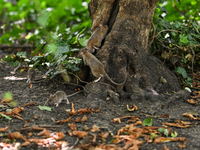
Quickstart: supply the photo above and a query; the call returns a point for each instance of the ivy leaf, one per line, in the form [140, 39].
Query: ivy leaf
[183, 38]
[83, 42]
[164, 131]
[181, 71]
[43, 18]
[189, 81]
[21, 54]
[44, 108]
[174, 134]
[177, 24]
[14, 63]
[147, 122]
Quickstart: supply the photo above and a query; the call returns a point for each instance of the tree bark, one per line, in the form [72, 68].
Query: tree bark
[125, 49]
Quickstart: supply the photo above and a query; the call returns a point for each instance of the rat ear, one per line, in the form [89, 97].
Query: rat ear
[100, 25]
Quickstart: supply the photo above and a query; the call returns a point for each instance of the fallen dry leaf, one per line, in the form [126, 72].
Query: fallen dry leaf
[197, 96]
[5, 101]
[44, 142]
[181, 146]
[94, 137]
[163, 139]
[64, 121]
[84, 118]
[134, 108]
[86, 128]
[46, 133]
[33, 127]
[14, 112]
[95, 128]
[133, 119]
[117, 120]
[192, 101]
[133, 145]
[30, 104]
[164, 116]
[190, 116]
[137, 123]
[16, 135]
[80, 134]
[4, 129]
[90, 110]
[104, 135]
[70, 132]
[16, 116]
[58, 135]
[73, 111]
[28, 121]
[129, 139]
[79, 119]
[197, 76]
[26, 143]
[72, 126]
[183, 122]
[165, 148]
[30, 134]
[26, 125]
[175, 125]
[82, 111]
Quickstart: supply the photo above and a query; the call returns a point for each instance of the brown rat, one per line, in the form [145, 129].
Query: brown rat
[97, 68]
[94, 42]
[59, 96]
[30, 75]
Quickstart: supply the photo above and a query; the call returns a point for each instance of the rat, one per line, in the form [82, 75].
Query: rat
[59, 96]
[97, 68]
[94, 42]
[30, 75]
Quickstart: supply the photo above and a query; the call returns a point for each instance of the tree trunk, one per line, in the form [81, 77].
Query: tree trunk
[125, 49]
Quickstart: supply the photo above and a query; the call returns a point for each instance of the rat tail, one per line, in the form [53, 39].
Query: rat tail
[115, 82]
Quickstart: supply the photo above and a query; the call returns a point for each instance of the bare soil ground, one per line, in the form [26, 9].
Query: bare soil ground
[32, 115]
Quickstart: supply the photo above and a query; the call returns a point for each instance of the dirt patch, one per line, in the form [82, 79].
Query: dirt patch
[39, 93]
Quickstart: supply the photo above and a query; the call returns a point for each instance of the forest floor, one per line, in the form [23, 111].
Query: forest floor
[97, 126]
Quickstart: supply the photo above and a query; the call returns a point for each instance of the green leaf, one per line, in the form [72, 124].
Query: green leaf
[164, 131]
[177, 24]
[189, 81]
[62, 28]
[44, 108]
[153, 135]
[183, 38]
[8, 57]
[181, 71]
[21, 54]
[43, 18]
[14, 63]
[83, 41]
[8, 96]
[147, 122]
[188, 89]
[37, 49]
[7, 117]
[174, 134]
